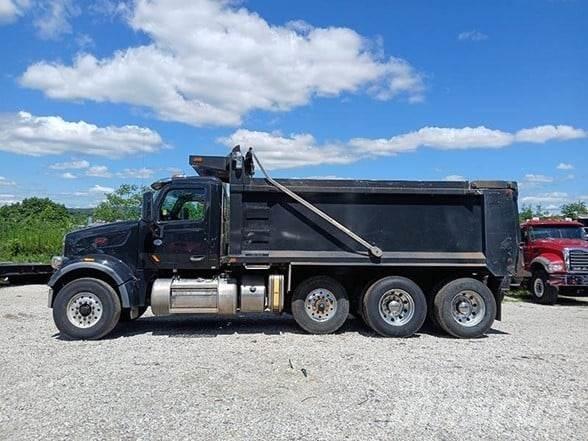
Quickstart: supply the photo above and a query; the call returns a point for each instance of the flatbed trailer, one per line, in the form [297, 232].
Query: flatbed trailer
[226, 242]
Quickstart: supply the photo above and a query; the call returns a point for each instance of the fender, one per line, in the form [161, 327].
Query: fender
[116, 269]
[545, 260]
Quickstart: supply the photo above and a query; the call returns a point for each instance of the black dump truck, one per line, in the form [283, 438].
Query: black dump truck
[224, 242]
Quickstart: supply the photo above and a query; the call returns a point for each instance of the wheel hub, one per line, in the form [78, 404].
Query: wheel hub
[539, 287]
[468, 308]
[320, 305]
[464, 308]
[396, 307]
[84, 310]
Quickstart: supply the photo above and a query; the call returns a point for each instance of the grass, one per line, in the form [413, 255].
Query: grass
[517, 295]
[31, 241]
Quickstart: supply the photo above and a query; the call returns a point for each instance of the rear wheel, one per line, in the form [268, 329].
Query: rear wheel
[394, 307]
[541, 291]
[320, 305]
[465, 308]
[86, 309]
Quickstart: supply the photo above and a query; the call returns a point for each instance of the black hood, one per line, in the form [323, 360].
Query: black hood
[118, 239]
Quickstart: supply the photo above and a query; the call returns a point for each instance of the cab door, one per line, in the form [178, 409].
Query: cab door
[180, 238]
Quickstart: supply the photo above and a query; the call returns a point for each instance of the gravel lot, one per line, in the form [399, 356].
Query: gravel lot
[261, 378]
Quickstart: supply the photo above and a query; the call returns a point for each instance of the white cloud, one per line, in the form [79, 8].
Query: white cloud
[100, 171]
[324, 177]
[454, 178]
[555, 198]
[53, 20]
[542, 134]
[84, 41]
[210, 63]
[6, 182]
[136, 173]
[435, 137]
[68, 175]
[26, 134]
[72, 165]
[538, 179]
[8, 200]
[565, 166]
[277, 151]
[111, 8]
[295, 150]
[472, 36]
[11, 10]
[100, 189]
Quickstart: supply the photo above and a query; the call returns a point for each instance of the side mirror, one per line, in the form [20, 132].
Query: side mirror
[147, 207]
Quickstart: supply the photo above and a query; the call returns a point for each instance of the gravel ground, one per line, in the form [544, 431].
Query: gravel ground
[261, 378]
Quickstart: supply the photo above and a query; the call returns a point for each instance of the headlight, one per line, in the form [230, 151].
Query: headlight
[56, 262]
[556, 267]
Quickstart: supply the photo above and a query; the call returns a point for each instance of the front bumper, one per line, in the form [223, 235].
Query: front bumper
[569, 279]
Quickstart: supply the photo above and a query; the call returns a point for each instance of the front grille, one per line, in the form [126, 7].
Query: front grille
[578, 260]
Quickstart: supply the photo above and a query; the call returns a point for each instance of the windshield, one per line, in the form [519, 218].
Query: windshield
[571, 232]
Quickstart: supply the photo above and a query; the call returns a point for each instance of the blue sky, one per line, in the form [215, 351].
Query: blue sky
[95, 94]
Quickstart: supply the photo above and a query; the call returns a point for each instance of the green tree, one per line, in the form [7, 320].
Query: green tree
[122, 204]
[526, 213]
[33, 210]
[540, 211]
[574, 209]
[32, 230]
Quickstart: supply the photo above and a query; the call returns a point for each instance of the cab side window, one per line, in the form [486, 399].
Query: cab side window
[183, 205]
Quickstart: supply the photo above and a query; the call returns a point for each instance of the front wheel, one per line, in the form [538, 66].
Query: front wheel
[320, 305]
[541, 291]
[86, 309]
[465, 308]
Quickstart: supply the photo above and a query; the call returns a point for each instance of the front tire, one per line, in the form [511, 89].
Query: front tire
[394, 307]
[541, 291]
[320, 305]
[86, 309]
[465, 308]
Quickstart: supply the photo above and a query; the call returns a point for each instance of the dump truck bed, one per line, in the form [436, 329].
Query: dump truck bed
[415, 223]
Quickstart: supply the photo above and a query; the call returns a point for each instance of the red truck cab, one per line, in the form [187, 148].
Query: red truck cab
[555, 257]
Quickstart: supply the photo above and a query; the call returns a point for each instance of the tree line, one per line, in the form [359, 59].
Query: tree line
[573, 210]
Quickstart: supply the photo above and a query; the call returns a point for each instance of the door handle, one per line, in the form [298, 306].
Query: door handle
[196, 258]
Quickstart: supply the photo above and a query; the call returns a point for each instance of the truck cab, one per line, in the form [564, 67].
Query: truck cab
[555, 256]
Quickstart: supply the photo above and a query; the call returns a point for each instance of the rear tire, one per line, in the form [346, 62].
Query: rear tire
[394, 307]
[320, 305]
[465, 308]
[86, 309]
[541, 291]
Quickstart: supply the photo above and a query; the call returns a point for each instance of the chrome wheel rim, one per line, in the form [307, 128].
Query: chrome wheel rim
[84, 310]
[396, 307]
[320, 305]
[539, 287]
[468, 308]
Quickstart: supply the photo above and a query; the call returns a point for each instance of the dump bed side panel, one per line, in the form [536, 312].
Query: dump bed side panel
[425, 223]
[393, 222]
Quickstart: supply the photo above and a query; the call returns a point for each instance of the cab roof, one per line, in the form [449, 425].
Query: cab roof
[551, 222]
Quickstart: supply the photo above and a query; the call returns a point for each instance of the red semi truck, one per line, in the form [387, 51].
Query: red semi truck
[555, 257]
